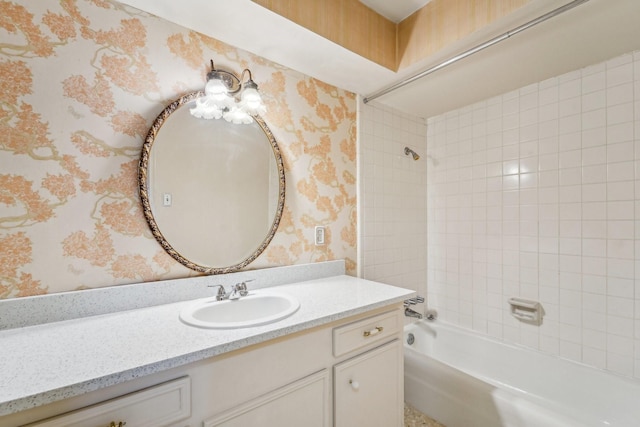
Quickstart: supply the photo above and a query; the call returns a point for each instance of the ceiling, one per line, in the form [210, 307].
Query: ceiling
[396, 10]
[590, 33]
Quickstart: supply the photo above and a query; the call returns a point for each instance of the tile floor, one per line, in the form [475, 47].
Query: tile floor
[415, 418]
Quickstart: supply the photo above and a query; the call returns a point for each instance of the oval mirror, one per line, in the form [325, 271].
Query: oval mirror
[212, 191]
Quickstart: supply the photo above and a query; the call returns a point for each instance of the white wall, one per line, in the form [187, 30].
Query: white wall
[536, 194]
[392, 198]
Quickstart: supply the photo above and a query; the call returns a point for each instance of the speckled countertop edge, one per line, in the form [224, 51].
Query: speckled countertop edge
[49, 362]
[39, 309]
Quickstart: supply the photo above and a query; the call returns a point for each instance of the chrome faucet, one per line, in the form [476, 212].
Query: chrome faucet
[411, 313]
[407, 307]
[238, 290]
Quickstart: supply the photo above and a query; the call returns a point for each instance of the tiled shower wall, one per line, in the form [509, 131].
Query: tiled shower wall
[536, 194]
[392, 198]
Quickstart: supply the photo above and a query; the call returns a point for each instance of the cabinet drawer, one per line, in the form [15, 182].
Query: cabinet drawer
[364, 332]
[155, 406]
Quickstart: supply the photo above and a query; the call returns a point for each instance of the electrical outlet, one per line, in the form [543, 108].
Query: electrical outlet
[319, 238]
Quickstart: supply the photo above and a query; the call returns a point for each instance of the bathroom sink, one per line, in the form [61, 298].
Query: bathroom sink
[258, 308]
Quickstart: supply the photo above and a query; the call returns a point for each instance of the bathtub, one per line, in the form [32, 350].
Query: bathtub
[463, 379]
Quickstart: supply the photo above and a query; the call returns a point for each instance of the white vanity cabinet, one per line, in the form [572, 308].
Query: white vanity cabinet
[346, 373]
[164, 404]
[303, 403]
[368, 386]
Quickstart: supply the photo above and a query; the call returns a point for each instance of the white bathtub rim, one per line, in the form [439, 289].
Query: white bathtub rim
[565, 417]
[439, 323]
[595, 409]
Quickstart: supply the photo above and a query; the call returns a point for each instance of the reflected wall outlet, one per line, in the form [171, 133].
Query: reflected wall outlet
[166, 199]
[319, 236]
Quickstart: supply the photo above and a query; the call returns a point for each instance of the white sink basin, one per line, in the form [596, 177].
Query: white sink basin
[257, 308]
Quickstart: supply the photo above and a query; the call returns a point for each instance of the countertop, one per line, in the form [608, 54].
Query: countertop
[54, 361]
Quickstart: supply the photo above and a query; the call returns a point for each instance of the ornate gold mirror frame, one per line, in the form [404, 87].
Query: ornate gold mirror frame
[148, 208]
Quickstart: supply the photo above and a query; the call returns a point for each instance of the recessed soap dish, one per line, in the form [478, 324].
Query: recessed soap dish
[527, 311]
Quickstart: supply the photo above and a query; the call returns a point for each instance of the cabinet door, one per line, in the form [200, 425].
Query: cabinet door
[369, 388]
[303, 403]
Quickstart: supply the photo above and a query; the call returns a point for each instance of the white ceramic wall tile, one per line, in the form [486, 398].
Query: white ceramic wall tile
[392, 196]
[543, 185]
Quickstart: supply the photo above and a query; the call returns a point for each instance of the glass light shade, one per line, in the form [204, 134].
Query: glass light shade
[218, 93]
[237, 116]
[215, 86]
[206, 109]
[251, 101]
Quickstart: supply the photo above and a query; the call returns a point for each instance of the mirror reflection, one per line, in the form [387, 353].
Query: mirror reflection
[212, 191]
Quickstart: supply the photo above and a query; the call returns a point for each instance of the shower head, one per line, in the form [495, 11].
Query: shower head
[408, 151]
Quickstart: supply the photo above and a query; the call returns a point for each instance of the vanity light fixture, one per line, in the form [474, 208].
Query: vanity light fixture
[221, 97]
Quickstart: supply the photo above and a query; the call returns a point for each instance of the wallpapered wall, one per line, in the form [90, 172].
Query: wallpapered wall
[80, 83]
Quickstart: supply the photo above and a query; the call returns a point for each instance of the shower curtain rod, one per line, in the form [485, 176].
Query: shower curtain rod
[477, 49]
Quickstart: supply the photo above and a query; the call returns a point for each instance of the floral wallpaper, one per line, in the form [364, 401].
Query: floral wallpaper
[81, 81]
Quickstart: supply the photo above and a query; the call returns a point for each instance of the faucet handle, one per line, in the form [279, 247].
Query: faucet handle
[221, 294]
[413, 301]
[241, 288]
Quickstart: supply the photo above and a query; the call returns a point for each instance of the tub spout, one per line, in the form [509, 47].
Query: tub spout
[407, 307]
[411, 313]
